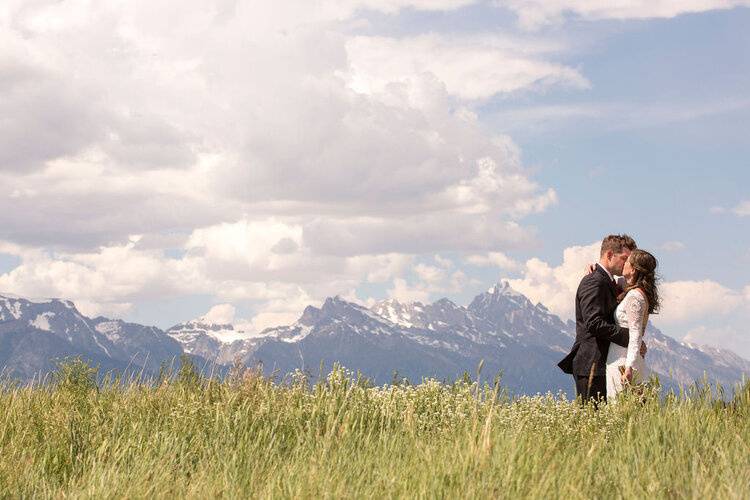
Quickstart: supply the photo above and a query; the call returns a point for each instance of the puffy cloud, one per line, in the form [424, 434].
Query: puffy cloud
[221, 314]
[743, 209]
[494, 259]
[672, 246]
[282, 310]
[533, 13]
[442, 261]
[235, 263]
[701, 311]
[255, 150]
[686, 301]
[403, 292]
[252, 244]
[107, 309]
[175, 134]
[429, 281]
[555, 287]
[413, 234]
[468, 67]
[112, 275]
[429, 274]
[683, 301]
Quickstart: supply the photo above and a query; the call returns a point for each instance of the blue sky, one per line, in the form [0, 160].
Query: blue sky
[681, 150]
[268, 156]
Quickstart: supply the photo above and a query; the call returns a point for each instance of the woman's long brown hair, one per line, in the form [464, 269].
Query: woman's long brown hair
[644, 265]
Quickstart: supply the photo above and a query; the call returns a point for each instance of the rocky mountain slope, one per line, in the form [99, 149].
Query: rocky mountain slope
[36, 333]
[513, 336]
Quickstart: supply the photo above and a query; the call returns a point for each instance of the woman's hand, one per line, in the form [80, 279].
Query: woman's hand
[590, 268]
[627, 375]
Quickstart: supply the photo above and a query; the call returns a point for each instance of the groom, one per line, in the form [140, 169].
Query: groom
[596, 300]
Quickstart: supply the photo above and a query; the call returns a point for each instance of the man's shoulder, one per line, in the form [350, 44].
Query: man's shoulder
[592, 280]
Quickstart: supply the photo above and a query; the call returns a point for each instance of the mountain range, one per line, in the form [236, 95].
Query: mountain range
[521, 340]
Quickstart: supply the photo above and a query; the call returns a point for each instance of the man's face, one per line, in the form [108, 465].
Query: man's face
[618, 262]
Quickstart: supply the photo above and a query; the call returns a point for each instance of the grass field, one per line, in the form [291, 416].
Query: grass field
[249, 437]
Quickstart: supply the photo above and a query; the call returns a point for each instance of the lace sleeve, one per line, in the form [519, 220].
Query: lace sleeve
[637, 317]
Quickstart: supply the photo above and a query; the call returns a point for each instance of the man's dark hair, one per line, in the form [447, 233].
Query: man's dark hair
[618, 243]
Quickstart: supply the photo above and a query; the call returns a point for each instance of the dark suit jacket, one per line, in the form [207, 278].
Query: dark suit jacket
[596, 301]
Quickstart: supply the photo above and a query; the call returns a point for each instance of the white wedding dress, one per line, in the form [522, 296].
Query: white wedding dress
[632, 313]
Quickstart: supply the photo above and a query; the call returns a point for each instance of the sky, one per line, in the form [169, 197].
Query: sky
[240, 160]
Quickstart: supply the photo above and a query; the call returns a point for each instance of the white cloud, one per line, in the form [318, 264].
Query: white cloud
[220, 314]
[429, 274]
[534, 13]
[234, 263]
[611, 116]
[279, 156]
[282, 310]
[250, 244]
[442, 261]
[429, 281]
[175, 134]
[403, 292]
[743, 209]
[494, 259]
[707, 311]
[107, 309]
[672, 246]
[684, 302]
[469, 67]
[555, 287]
[687, 301]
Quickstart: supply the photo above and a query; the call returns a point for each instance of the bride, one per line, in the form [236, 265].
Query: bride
[639, 299]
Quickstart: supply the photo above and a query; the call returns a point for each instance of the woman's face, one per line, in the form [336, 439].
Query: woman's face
[628, 272]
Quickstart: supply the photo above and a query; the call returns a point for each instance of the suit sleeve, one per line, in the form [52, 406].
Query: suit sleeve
[597, 322]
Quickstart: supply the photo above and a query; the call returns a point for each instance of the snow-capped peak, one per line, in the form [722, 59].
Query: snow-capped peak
[12, 296]
[503, 288]
[224, 333]
[405, 314]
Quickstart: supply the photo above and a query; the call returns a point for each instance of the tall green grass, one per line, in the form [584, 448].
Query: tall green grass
[246, 436]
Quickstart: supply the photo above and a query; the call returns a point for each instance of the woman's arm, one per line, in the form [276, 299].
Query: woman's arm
[636, 311]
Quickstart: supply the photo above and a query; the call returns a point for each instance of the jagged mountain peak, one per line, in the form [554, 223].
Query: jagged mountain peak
[337, 308]
[40, 330]
[310, 316]
[500, 294]
[14, 307]
[504, 289]
[52, 315]
[446, 302]
[406, 314]
[193, 330]
[500, 326]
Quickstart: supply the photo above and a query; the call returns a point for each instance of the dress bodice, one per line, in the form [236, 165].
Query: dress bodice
[631, 309]
[632, 313]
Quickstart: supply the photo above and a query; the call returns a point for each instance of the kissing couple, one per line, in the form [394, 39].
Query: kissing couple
[613, 304]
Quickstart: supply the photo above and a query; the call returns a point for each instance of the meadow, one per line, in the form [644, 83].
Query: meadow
[248, 436]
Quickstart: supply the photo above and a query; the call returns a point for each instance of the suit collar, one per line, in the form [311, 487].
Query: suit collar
[602, 272]
[606, 273]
